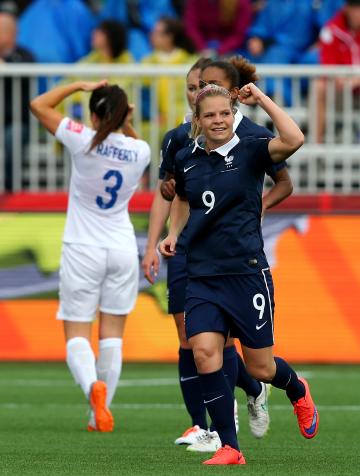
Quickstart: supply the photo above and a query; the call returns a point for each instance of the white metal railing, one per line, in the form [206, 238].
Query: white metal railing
[39, 163]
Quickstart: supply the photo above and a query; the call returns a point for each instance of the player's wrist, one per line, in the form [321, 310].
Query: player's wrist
[262, 99]
[151, 248]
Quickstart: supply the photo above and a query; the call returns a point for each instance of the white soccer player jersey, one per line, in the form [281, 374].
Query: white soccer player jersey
[102, 183]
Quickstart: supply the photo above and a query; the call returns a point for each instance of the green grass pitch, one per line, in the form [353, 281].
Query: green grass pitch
[43, 420]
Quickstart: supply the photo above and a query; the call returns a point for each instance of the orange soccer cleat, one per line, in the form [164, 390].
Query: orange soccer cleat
[103, 418]
[306, 412]
[226, 455]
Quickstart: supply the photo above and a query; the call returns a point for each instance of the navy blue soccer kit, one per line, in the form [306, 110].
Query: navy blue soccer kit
[230, 287]
[175, 140]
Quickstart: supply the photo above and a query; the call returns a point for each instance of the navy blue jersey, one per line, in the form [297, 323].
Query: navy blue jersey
[174, 140]
[224, 190]
[178, 138]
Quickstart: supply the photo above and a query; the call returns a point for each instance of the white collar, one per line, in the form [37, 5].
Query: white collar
[238, 118]
[222, 150]
[199, 143]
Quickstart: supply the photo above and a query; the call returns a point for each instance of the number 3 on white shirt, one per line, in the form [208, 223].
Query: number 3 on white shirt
[208, 199]
[100, 202]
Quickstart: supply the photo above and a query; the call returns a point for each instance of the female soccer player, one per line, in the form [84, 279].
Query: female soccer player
[174, 140]
[230, 290]
[99, 264]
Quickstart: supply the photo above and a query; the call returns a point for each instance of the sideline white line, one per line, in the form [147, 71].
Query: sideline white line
[160, 382]
[150, 382]
[163, 406]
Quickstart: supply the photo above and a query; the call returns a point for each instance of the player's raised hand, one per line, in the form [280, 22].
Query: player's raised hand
[150, 265]
[167, 247]
[92, 85]
[250, 94]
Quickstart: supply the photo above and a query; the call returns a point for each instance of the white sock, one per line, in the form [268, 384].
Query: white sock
[81, 361]
[109, 364]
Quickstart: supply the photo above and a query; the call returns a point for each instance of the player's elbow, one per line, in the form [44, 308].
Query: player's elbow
[288, 188]
[35, 107]
[297, 141]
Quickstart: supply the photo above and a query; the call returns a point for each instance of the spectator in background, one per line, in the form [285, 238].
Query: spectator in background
[339, 45]
[171, 47]
[217, 27]
[281, 31]
[109, 46]
[58, 31]
[16, 126]
[287, 33]
[140, 17]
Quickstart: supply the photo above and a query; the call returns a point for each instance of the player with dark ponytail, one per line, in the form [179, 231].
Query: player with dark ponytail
[99, 263]
[110, 106]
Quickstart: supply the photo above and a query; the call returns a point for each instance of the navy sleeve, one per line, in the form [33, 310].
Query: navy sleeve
[260, 152]
[262, 131]
[174, 140]
[179, 175]
[167, 159]
[271, 169]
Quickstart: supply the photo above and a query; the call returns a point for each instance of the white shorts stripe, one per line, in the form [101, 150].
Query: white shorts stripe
[268, 293]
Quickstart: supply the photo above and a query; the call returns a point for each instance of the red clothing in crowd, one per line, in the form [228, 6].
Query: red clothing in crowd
[338, 44]
[202, 23]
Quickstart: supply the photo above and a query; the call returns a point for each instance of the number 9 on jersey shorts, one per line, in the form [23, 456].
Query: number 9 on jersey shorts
[92, 277]
[242, 305]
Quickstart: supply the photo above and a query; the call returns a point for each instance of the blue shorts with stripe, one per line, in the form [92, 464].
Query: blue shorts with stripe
[176, 283]
[241, 305]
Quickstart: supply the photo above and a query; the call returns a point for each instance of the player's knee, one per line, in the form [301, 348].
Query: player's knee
[263, 372]
[206, 358]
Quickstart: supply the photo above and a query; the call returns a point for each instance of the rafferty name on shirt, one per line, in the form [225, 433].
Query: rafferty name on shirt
[117, 153]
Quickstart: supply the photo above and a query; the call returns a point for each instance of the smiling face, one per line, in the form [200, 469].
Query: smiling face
[192, 87]
[216, 119]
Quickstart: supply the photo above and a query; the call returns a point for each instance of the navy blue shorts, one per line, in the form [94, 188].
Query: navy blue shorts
[237, 305]
[176, 282]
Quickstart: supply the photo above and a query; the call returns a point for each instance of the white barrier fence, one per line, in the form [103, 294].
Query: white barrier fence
[31, 159]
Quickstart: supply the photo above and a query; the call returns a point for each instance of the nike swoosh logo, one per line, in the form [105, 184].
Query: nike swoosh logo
[312, 428]
[262, 325]
[188, 168]
[216, 398]
[185, 379]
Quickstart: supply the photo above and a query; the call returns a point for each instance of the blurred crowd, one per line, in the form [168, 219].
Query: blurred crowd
[173, 32]
[126, 31]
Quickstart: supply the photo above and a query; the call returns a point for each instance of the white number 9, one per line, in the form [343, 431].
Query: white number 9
[208, 198]
[259, 307]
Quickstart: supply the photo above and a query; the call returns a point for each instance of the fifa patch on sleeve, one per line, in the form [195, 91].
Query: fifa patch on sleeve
[74, 126]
